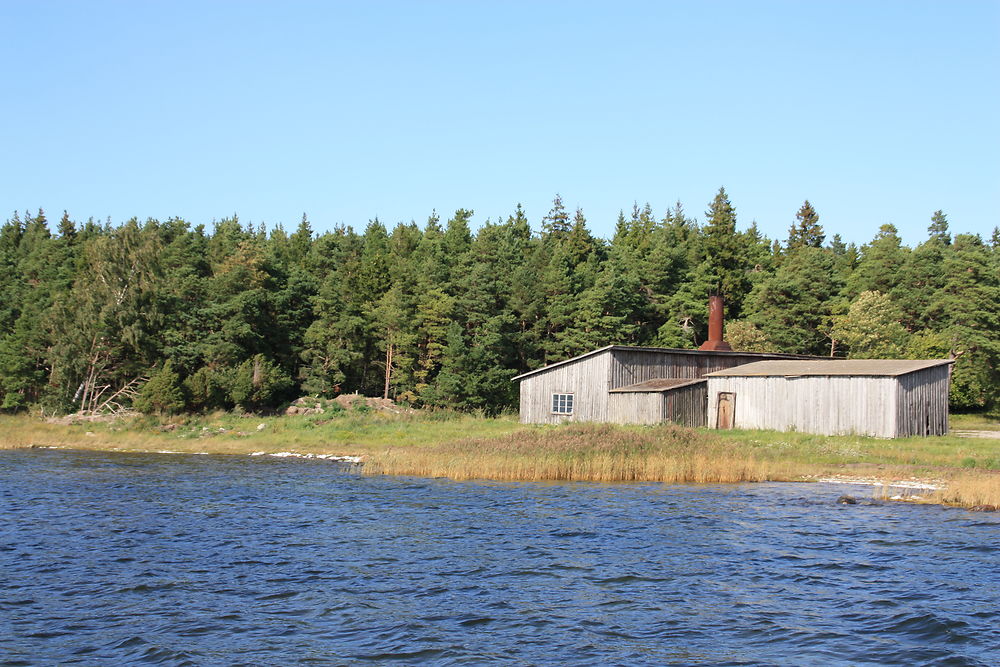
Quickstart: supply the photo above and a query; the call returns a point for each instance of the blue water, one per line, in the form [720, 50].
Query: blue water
[197, 560]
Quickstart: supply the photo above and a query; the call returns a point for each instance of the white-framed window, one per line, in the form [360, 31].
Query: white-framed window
[562, 404]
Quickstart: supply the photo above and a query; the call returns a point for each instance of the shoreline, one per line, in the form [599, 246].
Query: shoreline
[886, 483]
[946, 470]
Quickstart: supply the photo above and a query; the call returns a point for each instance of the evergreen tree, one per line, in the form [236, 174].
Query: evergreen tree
[300, 243]
[609, 312]
[880, 264]
[162, 393]
[242, 316]
[725, 265]
[806, 231]
[556, 221]
[938, 228]
[969, 304]
[793, 307]
[23, 362]
[334, 344]
[920, 279]
[258, 384]
[67, 229]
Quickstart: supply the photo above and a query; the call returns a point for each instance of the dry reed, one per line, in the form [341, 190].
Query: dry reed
[587, 452]
[971, 490]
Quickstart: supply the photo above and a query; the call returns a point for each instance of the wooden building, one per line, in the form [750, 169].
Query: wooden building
[887, 398]
[628, 385]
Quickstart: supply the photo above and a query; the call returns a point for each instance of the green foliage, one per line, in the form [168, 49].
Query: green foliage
[258, 384]
[880, 263]
[449, 313]
[207, 388]
[870, 328]
[726, 264]
[806, 232]
[793, 306]
[162, 394]
[744, 336]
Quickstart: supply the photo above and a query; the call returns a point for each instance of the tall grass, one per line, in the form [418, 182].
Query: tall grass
[587, 452]
[971, 490]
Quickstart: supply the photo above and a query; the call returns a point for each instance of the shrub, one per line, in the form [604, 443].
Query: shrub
[162, 393]
[257, 383]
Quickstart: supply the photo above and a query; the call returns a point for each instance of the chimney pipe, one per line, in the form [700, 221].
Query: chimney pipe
[715, 342]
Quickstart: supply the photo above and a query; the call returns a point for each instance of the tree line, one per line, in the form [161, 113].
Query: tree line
[169, 316]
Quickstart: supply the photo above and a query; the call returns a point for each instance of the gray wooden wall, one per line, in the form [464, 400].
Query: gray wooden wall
[922, 402]
[633, 366]
[823, 405]
[586, 379]
[636, 407]
[887, 407]
[686, 406]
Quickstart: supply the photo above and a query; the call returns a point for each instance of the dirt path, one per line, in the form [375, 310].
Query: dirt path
[976, 434]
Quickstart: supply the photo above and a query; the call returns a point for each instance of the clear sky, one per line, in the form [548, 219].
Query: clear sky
[876, 111]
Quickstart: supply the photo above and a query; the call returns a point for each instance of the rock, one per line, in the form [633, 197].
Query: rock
[261, 427]
[847, 500]
[293, 410]
[90, 434]
[983, 508]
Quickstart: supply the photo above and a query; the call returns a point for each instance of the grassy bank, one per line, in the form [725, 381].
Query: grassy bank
[347, 433]
[468, 447]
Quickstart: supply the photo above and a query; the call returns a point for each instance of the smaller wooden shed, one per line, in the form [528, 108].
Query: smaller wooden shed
[888, 398]
[677, 400]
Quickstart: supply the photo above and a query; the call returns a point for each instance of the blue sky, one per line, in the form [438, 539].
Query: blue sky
[877, 112]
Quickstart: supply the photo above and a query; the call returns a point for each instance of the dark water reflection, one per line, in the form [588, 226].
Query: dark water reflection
[116, 558]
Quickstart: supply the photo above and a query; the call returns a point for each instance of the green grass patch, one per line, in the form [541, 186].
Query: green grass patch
[977, 421]
[929, 452]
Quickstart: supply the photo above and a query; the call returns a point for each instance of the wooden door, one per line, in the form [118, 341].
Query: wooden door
[726, 410]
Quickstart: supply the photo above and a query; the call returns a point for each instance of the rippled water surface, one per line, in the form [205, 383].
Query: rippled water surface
[116, 558]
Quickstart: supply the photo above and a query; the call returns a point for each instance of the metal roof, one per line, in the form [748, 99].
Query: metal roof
[671, 350]
[657, 384]
[880, 367]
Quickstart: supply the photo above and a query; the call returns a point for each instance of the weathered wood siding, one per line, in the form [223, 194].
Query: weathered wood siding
[686, 406]
[824, 405]
[634, 366]
[636, 408]
[586, 379]
[922, 402]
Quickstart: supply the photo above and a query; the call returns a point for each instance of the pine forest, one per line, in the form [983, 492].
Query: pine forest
[166, 316]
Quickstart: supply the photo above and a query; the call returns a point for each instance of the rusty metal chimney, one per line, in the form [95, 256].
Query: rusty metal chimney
[715, 342]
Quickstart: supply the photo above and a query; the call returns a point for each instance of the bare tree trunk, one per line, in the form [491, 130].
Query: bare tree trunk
[388, 369]
[91, 379]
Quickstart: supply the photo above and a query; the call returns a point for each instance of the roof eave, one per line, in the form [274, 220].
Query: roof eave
[636, 348]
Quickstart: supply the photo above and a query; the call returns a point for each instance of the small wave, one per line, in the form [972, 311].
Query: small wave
[927, 626]
[425, 654]
[629, 579]
[474, 622]
[283, 595]
[573, 533]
